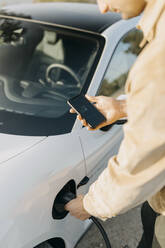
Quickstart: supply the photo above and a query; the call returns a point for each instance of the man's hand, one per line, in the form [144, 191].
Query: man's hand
[111, 108]
[76, 209]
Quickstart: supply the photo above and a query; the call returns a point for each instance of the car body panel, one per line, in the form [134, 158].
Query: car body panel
[17, 145]
[98, 147]
[26, 213]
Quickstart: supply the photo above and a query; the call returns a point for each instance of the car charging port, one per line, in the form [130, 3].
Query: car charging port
[66, 194]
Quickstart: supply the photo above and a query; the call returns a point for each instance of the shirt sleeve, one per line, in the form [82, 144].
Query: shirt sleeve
[138, 171]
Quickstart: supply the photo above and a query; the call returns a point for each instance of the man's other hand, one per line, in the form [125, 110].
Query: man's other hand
[76, 209]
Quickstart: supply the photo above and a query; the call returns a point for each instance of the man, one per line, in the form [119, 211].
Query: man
[137, 172]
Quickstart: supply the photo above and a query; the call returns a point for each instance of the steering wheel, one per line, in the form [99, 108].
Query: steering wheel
[61, 84]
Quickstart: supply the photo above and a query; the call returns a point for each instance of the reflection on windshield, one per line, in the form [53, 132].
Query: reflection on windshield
[40, 68]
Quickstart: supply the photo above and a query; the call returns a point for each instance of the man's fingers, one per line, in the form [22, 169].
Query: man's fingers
[72, 111]
[79, 117]
[91, 98]
[66, 207]
[91, 129]
[84, 123]
[98, 127]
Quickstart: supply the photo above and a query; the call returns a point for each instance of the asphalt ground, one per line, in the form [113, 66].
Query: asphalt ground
[122, 230]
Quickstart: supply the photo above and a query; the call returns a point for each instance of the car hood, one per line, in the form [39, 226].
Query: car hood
[13, 145]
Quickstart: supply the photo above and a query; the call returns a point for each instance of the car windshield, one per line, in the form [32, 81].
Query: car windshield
[41, 67]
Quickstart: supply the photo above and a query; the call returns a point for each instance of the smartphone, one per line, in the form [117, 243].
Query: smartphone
[87, 110]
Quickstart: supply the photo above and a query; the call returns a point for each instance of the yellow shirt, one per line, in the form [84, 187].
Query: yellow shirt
[137, 173]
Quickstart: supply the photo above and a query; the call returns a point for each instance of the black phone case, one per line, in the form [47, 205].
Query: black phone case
[87, 110]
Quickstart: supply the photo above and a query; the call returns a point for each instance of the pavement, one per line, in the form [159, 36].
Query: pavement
[122, 230]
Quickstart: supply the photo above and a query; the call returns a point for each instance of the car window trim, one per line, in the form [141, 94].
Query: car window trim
[47, 23]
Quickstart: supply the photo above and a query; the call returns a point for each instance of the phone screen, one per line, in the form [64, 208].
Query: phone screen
[87, 110]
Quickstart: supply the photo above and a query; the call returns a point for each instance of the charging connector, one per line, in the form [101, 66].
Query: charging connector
[67, 197]
[68, 193]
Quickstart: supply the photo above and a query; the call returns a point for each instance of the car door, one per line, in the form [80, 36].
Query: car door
[39, 154]
[122, 40]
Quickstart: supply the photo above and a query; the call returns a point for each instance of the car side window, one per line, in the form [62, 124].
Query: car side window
[123, 58]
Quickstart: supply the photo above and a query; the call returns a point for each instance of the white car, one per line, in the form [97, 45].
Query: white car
[49, 53]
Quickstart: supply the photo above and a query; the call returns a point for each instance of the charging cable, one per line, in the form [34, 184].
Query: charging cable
[67, 197]
[102, 231]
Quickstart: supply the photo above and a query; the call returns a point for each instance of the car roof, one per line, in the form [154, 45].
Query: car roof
[76, 15]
